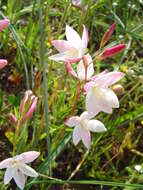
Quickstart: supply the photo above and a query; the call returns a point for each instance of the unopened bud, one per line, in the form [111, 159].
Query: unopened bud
[118, 89]
[13, 118]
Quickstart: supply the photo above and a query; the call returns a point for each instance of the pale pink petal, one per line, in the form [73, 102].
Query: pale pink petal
[112, 98]
[70, 69]
[84, 39]
[72, 121]
[8, 175]
[3, 63]
[4, 23]
[5, 163]
[31, 110]
[108, 79]
[96, 102]
[28, 157]
[88, 86]
[73, 37]
[99, 75]
[58, 57]
[27, 170]
[96, 126]
[76, 135]
[84, 116]
[81, 70]
[61, 45]
[85, 136]
[19, 179]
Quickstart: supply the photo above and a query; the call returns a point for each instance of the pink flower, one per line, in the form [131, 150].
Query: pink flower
[3, 63]
[99, 96]
[109, 52]
[17, 167]
[83, 125]
[71, 49]
[4, 23]
[82, 73]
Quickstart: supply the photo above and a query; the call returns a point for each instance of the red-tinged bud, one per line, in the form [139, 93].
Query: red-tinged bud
[4, 23]
[3, 63]
[107, 35]
[109, 52]
[13, 118]
[32, 108]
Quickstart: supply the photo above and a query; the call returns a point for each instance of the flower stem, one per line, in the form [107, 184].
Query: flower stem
[45, 83]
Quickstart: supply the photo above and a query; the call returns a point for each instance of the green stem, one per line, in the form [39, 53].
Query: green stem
[45, 82]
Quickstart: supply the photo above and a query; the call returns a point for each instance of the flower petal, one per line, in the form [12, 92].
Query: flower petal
[58, 57]
[81, 68]
[76, 135]
[107, 79]
[8, 175]
[29, 156]
[84, 116]
[61, 45]
[72, 121]
[73, 37]
[27, 170]
[96, 101]
[19, 179]
[96, 126]
[70, 69]
[5, 163]
[84, 39]
[85, 136]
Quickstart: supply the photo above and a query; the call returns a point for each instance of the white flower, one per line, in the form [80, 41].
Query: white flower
[83, 125]
[17, 167]
[71, 49]
[99, 96]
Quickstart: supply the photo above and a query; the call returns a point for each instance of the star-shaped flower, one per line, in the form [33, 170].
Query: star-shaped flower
[17, 167]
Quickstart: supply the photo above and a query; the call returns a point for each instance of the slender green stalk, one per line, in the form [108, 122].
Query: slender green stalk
[84, 182]
[45, 82]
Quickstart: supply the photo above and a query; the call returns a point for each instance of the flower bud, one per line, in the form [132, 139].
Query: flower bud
[109, 52]
[118, 89]
[4, 23]
[3, 63]
[107, 35]
[13, 118]
[28, 105]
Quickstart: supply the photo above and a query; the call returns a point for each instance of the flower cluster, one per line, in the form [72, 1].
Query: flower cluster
[99, 95]
[17, 167]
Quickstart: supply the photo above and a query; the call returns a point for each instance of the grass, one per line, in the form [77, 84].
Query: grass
[114, 154]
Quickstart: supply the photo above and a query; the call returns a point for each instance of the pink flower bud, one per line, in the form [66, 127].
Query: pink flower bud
[3, 63]
[4, 23]
[13, 118]
[26, 94]
[109, 52]
[31, 109]
[107, 35]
